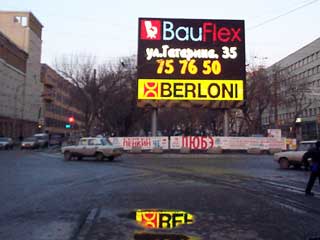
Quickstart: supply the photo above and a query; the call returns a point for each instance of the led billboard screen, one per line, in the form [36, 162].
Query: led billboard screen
[200, 62]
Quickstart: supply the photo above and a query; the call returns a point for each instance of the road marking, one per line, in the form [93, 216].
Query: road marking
[50, 155]
[288, 188]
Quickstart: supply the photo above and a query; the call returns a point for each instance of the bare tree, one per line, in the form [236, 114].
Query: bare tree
[80, 71]
[258, 96]
[118, 111]
[189, 121]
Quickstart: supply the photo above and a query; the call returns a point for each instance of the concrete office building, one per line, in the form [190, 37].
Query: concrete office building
[13, 62]
[20, 90]
[300, 67]
[59, 103]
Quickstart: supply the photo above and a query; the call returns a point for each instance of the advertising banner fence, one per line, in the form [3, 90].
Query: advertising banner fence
[146, 143]
[231, 143]
[200, 142]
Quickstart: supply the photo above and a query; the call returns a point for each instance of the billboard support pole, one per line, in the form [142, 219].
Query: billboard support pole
[225, 123]
[154, 117]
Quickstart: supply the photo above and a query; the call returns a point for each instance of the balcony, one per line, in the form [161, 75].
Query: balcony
[48, 95]
[47, 81]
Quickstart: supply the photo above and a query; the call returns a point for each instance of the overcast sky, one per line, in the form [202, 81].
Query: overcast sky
[109, 29]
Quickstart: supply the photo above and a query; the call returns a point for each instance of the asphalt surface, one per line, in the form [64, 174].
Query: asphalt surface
[233, 196]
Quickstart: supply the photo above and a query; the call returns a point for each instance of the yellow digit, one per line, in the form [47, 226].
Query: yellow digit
[184, 64]
[169, 66]
[161, 65]
[207, 67]
[192, 67]
[216, 67]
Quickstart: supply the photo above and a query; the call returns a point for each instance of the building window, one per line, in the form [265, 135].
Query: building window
[23, 21]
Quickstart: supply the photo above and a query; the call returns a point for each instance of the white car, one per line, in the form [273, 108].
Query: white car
[295, 158]
[30, 143]
[100, 148]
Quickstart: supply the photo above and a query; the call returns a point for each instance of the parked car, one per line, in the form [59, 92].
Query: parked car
[43, 139]
[295, 158]
[100, 148]
[6, 143]
[30, 143]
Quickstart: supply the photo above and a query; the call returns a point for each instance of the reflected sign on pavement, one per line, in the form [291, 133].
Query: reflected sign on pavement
[163, 218]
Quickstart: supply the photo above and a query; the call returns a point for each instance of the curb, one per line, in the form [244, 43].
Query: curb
[87, 225]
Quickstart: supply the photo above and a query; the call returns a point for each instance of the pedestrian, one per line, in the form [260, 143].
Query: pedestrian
[314, 154]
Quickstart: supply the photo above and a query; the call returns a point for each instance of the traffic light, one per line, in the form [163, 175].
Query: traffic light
[71, 120]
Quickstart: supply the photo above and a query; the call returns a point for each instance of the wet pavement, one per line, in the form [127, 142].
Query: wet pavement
[232, 196]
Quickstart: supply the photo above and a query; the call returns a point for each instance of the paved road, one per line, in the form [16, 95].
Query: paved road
[233, 196]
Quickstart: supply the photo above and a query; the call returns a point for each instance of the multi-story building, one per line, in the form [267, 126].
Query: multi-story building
[59, 103]
[20, 73]
[13, 63]
[300, 69]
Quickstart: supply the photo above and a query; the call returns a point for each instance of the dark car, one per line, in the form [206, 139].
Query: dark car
[30, 143]
[6, 143]
[43, 139]
[55, 140]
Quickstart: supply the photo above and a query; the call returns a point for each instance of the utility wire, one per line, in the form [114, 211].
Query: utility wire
[282, 15]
